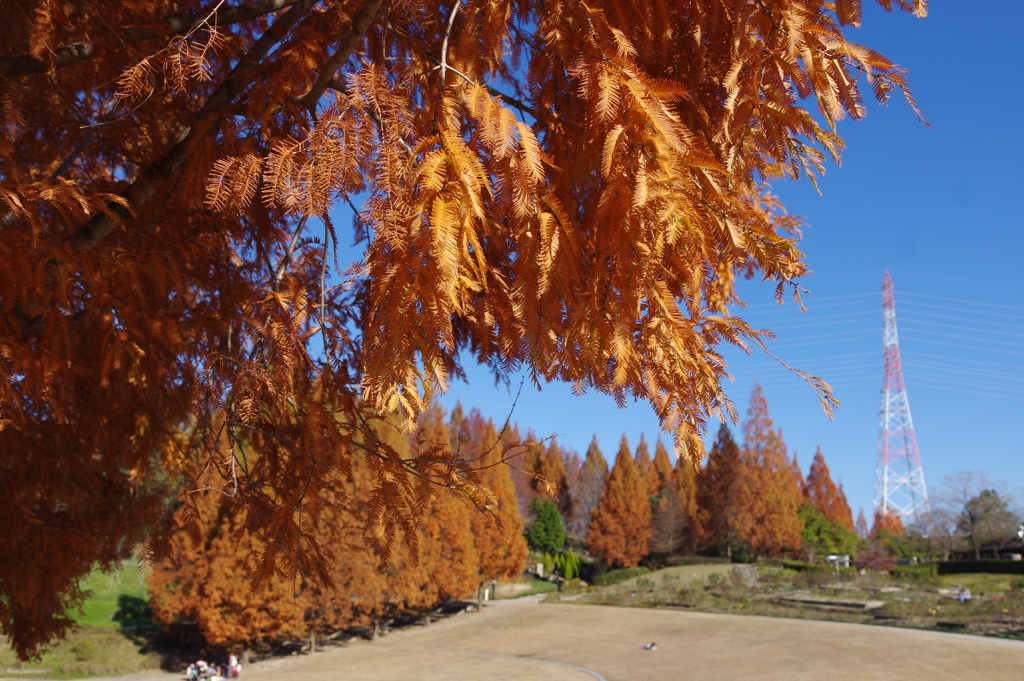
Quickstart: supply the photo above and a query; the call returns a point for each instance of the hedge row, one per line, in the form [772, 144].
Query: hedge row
[616, 576]
[994, 567]
[699, 560]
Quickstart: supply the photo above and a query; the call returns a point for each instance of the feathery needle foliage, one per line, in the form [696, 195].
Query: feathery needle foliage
[567, 186]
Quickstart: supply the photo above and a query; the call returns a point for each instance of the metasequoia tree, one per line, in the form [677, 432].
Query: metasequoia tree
[661, 464]
[500, 545]
[520, 458]
[685, 478]
[824, 494]
[586, 494]
[718, 489]
[645, 467]
[862, 524]
[205, 581]
[621, 525]
[553, 479]
[448, 556]
[668, 522]
[567, 187]
[768, 493]
[889, 521]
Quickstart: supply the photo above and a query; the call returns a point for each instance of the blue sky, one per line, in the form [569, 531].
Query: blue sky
[940, 208]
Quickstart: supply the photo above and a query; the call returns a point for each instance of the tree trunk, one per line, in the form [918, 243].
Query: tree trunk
[312, 641]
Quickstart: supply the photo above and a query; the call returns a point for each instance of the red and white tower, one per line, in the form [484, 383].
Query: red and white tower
[899, 479]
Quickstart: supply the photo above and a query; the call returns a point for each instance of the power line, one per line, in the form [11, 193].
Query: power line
[969, 371]
[957, 300]
[963, 328]
[956, 359]
[810, 300]
[987, 385]
[974, 338]
[916, 313]
[968, 347]
[960, 309]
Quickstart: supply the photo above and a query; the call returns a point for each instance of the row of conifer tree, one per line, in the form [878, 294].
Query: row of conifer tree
[219, 581]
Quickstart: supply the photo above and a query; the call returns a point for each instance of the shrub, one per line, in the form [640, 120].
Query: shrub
[84, 650]
[567, 564]
[616, 576]
[800, 566]
[922, 572]
[994, 567]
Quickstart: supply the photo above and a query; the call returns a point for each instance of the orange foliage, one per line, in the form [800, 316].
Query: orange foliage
[556, 482]
[718, 489]
[661, 466]
[823, 493]
[685, 478]
[621, 525]
[889, 522]
[570, 188]
[501, 546]
[448, 557]
[645, 467]
[768, 494]
[206, 578]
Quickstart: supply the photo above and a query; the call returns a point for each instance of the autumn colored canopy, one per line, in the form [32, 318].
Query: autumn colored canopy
[568, 186]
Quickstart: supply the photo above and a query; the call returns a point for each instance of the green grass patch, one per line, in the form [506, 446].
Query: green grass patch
[616, 576]
[87, 651]
[116, 599]
[99, 646]
[537, 586]
[980, 584]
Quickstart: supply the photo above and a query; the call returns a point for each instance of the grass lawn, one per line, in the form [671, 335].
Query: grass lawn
[98, 646]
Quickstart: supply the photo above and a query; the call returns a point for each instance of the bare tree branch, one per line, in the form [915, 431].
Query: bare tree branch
[359, 26]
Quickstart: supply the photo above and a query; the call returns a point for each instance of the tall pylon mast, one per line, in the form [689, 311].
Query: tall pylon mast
[899, 479]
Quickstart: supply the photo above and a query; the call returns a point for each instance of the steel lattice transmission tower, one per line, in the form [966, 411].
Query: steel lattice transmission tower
[899, 479]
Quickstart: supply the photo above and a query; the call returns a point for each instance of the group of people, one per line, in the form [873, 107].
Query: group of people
[197, 671]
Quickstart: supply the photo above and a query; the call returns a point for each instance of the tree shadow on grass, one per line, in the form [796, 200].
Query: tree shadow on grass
[132, 611]
[176, 645]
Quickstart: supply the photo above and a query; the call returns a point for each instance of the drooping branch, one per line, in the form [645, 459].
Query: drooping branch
[359, 27]
[72, 53]
[207, 118]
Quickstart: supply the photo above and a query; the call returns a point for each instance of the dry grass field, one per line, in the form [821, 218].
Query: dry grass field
[516, 640]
